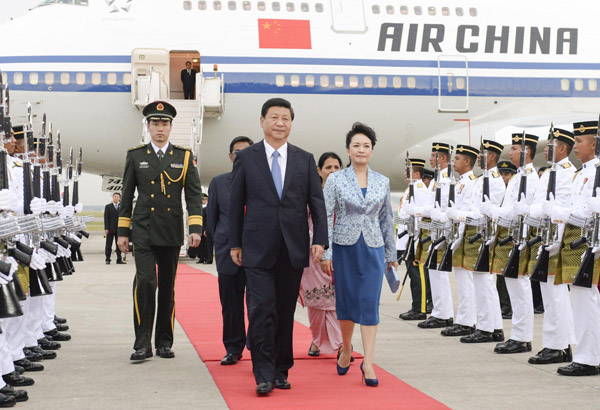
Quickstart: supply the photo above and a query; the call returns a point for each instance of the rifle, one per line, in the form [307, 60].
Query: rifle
[76, 177]
[409, 253]
[446, 262]
[511, 270]
[585, 273]
[483, 258]
[545, 226]
[436, 235]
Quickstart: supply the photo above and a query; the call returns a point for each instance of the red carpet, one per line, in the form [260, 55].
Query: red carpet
[315, 383]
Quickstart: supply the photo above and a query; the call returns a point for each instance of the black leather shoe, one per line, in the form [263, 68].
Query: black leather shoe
[165, 352]
[498, 335]
[61, 328]
[264, 388]
[32, 356]
[6, 401]
[507, 315]
[141, 354]
[121, 263]
[412, 315]
[46, 354]
[429, 308]
[512, 346]
[458, 330]
[60, 320]
[15, 379]
[547, 356]
[538, 310]
[19, 369]
[58, 336]
[48, 344]
[433, 323]
[230, 359]
[478, 336]
[18, 395]
[578, 369]
[282, 384]
[29, 366]
[108, 262]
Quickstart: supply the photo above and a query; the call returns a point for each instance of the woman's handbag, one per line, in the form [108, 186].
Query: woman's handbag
[393, 279]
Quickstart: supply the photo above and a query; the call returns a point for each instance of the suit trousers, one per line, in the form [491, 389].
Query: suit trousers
[147, 258]
[14, 328]
[586, 311]
[466, 310]
[489, 316]
[558, 331]
[441, 295]
[188, 93]
[110, 238]
[231, 293]
[521, 299]
[418, 286]
[272, 295]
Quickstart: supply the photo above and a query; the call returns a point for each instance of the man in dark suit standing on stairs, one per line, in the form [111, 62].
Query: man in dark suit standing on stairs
[188, 78]
[111, 222]
[272, 185]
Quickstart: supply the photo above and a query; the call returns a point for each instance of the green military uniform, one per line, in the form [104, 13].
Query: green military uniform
[157, 227]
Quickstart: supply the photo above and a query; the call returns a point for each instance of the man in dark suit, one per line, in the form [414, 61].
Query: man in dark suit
[272, 185]
[232, 279]
[111, 222]
[205, 250]
[188, 78]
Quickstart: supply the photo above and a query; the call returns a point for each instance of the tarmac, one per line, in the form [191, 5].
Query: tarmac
[93, 370]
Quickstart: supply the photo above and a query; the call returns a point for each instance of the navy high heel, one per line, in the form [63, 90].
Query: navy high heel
[368, 382]
[342, 370]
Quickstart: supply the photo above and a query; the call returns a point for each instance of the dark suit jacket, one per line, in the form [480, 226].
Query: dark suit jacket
[269, 221]
[188, 80]
[217, 223]
[111, 218]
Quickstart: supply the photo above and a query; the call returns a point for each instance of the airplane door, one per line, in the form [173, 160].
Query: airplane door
[453, 83]
[348, 16]
[150, 73]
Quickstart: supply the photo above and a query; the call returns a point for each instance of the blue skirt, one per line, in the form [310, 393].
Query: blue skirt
[358, 275]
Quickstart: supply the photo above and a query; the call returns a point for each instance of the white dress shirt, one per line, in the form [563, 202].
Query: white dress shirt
[163, 149]
[282, 160]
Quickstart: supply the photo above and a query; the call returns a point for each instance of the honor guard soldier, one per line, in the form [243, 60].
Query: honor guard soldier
[159, 171]
[585, 301]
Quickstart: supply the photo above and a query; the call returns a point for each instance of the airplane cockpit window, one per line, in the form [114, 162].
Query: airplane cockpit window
[71, 2]
[201, 5]
[289, 6]
[217, 5]
[418, 10]
[375, 9]
[389, 9]
[231, 5]
[431, 11]
[404, 10]
[246, 5]
[261, 6]
[275, 6]
[459, 11]
[473, 12]
[445, 11]
[304, 7]
[187, 5]
[319, 7]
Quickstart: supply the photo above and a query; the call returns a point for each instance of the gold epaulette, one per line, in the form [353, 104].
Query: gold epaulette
[419, 185]
[496, 174]
[473, 177]
[138, 147]
[445, 175]
[566, 165]
[530, 170]
[17, 163]
[183, 148]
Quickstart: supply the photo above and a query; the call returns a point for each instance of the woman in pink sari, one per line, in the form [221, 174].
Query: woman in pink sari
[317, 292]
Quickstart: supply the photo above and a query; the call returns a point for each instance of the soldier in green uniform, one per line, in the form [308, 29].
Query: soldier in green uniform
[159, 171]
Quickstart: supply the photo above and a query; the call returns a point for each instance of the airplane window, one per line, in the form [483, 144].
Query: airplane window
[289, 6]
[565, 84]
[127, 78]
[295, 80]
[201, 5]
[217, 5]
[231, 5]
[18, 78]
[397, 82]
[578, 84]
[592, 85]
[96, 78]
[382, 81]
[261, 6]
[389, 9]
[33, 78]
[473, 12]
[339, 80]
[459, 11]
[368, 81]
[353, 81]
[411, 82]
[275, 6]
[404, 10]
[65, 78]
[445, 11]
[187, 5]
[319, 8]
[80, 78]
[49, 78]
[375, 9]
[460, 83]
[310, 80]
[324, 81]
[280, 80]
[418, 10]
[111, 78]
[246, 5]
[304, 7]
[431, 11]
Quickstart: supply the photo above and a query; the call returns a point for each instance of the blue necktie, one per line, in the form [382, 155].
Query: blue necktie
[276, 173]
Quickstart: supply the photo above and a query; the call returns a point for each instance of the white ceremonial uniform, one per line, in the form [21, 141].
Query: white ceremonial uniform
[558, 329]
[401, 242]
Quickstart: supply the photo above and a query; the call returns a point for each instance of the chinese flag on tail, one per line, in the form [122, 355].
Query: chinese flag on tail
[278, 33]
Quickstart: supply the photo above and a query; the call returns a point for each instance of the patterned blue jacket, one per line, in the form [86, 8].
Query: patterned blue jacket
[371, 215]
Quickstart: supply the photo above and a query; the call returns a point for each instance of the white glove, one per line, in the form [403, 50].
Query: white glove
[521, 208]
[536, 211]
[596, 252]
[409, 208]
[487, 208]
[3, 279]
[473, 213]
[560, 214]
[553, 249]
[456, 244]
[51, 207]
[422, 211]
[490, 241]
[13, 265]
[505, 213]
[68, 211]
[37, 261]
[48, 257]
[439, 215]
[593, 203]
[38, 206]
[452, 212]
[75, 237]
[79, 207]
[8, 199]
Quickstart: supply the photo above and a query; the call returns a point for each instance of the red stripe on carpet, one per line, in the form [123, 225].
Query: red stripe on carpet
[315, 383]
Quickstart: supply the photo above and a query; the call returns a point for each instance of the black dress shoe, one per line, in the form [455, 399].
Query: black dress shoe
[433, 323]
[578, 369]
[18, 395]
[32, 356]
[230, 359]
[412, 315]
[512, 346]
[7, 401]
[121, 263]
[547, 356]
[108, 262]
[538, 310]
[498, 335]
[15, 379]
[19, 369]
[458, 330]
[282, 384]
[478, 336]
[29, 366]
[48, 344]
[61, 328]
[60, 320]
[165, 352]
[507, 315]
[264, 388]
[58, 336]
[46, 354]
[141, 354]
[429, 308]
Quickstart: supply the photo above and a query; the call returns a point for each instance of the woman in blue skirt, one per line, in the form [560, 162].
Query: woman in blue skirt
[361, 234]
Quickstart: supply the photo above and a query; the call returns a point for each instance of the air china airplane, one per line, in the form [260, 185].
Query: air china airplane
[444, 70]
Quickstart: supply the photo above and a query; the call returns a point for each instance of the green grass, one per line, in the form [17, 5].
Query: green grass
[98, 224]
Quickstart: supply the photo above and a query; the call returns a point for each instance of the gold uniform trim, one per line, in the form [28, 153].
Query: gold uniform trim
[461, 150]
[124, 222]
[195, 220]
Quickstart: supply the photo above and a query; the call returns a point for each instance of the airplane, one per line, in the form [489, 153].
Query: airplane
[417, 73]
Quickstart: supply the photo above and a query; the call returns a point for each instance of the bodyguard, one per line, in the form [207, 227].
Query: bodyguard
[159, 171]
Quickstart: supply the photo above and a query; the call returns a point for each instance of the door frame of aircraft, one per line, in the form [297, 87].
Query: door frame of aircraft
[453, 83]
[177, 59]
